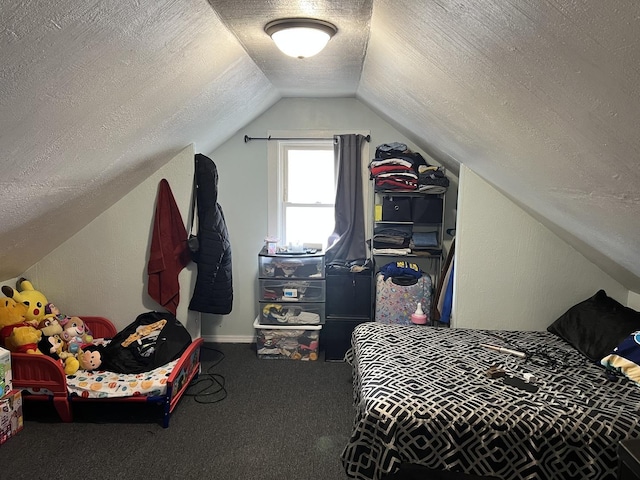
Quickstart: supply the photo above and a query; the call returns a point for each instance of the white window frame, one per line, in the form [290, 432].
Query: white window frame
[275, 171]
[284, 147]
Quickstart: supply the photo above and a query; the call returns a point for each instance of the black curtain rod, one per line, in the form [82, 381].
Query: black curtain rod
[247, 138]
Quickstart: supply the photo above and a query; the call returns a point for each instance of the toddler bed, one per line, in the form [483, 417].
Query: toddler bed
[43, 378]
[429, 396]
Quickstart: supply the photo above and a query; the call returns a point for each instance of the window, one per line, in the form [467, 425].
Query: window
[302, 178]
[307, 192]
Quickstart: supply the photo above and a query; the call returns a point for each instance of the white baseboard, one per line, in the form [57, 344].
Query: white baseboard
[229, 338]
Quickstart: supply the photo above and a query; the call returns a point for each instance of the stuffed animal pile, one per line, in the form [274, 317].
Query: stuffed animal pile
[30, 324]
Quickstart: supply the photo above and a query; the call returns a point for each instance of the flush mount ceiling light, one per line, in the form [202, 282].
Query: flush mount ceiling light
[300, 37]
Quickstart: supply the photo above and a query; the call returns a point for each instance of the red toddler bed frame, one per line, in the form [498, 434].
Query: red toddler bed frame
[43, 372]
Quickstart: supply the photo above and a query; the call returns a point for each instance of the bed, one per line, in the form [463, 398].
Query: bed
[43, 378]
[429, 396]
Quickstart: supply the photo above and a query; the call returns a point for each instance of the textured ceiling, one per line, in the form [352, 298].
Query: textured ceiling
[541, 98]
[335, 72]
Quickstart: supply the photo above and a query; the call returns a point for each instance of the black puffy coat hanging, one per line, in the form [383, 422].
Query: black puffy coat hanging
[213, 292]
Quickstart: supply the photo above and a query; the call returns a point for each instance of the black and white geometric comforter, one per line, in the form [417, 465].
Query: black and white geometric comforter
[422, 396]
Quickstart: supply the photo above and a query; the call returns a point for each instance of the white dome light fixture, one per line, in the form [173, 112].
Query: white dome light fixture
[300, 37]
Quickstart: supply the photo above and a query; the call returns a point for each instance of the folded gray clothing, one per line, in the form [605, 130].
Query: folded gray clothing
[424, 239]
[433, 180]
[432, 189]
[404, 231]
[388, 149]
[389, 240]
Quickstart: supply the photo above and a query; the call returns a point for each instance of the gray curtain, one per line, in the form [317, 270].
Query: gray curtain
[347, 242]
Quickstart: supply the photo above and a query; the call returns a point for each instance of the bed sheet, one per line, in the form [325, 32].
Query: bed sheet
[422, 396]
[103, 384]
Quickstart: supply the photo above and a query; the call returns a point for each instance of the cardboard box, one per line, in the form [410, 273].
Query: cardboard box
[5, 372]
[11, 419]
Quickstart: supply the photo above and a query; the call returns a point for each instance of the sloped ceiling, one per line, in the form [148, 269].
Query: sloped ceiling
[541, 98]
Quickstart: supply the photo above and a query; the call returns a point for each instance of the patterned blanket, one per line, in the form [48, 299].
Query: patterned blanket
[423, 395]
[103, 384]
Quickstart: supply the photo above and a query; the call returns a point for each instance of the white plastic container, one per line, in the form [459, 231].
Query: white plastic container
[292, 342]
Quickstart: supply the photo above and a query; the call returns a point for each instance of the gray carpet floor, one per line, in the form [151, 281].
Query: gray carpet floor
[275, 420]
[245, 419]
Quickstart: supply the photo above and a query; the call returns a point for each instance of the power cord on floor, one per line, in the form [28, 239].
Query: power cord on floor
[210, 384]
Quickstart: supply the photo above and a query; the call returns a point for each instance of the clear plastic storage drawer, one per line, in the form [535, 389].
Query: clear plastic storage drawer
[291, 313]
[287, 341]
[291, 266]
[285, 290]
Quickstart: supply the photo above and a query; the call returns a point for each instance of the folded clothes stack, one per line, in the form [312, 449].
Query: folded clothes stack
[424, 240]
[392, 236]
[432, 179]
[397, 168]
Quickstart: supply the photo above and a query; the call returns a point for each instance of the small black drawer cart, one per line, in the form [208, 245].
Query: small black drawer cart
[349, 302]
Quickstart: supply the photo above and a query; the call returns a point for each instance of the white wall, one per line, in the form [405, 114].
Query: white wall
[102, 270]
[512, 272]
[634, 300]
[243, 191]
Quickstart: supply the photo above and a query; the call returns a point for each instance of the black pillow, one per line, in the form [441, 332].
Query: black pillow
[596, 326]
